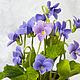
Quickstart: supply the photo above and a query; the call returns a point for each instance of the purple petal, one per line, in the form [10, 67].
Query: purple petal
[39, 27]
[10, 36]
[9, 43]
[37, 65]
[71, 47]
[55, 15]
[78, 50]
[48, 66]
[15, 36]
[58, 25]
[56, 5]
[63, 25]
[14, 54]
[49, 60]
[75, 18]
[19, 53]
[41, 36]
[48, 4]
[42, 71]
[18, 49]
[76, 44]
[57, 10]
[40, 58]
[49, 25]
[65, 35]
[54, 29]
[73, 55]
[67, 31]
[39, 17]
[23, 26]
[48, 30]
[21, 31]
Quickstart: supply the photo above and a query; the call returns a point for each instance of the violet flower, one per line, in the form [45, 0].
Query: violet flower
[53, 10]
[12, 37]
[41, 17]
[17, 56]
[42, 64]
[74, 50]
[42, 29]
[62, 29]
[26, 28]
[76, 22]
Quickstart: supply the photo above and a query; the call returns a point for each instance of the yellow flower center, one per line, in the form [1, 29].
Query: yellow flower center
[43, 32]
[76, 52]
[42, 68]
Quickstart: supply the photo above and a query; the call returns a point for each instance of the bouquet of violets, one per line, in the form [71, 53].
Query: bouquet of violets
[39, 66]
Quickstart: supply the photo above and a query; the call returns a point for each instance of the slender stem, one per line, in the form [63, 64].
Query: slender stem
[32, 42]
[50, 74]
[30, 54]
[47, 19]
[69, 22]
[21, 40]
[44, 47]
[64, 54]
[39, 48]
[55, 75]
[40, 76]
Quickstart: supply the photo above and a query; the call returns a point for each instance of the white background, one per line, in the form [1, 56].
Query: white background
[14, 12]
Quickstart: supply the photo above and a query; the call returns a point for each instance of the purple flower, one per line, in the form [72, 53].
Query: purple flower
[41, 17]
[74, 50]
[62, 29]
[53, 10]
[76, 22]
[26, 28]
[17, 56]
[42, 29]
[42, 64]
[12, 37]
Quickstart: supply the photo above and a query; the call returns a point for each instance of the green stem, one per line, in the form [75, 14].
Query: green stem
[50, 74]
[21, 40]
[39, 48]
[32, 42]
[69, 22]
[55, 75]
[47, 19]
[64, 54]
[40, 76]
[30, 54]
[44, 47]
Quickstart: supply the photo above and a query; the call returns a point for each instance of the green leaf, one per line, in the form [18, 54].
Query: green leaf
[63, 69]
[1, 76]
[32, 74]
[54, 51]
[12, 71]
[33, 55]
[75, 68]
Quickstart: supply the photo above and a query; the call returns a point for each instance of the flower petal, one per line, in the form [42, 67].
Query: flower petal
[48, 66]
[63, 25]
[15, 36]
[73, 55]
[54, 29]
[67, 31]
[48, 30]
[57, 10]
[10, 36]
[40, 58]
[41, 37]
[55, 15]
[65, 35]
[37, 65]
[49, 60]
[78, 50]
[71, 47]
[58, 25]
[49, 25]
[18, 49]
[56, 5]
[9, 43]
[39, 17]
[21, 31]
[76, 44]
[48, 4]
[14, 54]
[42, 71]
